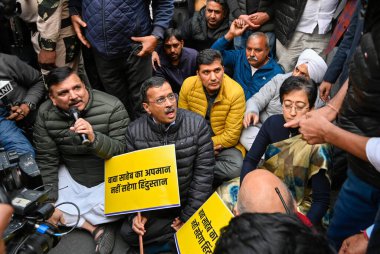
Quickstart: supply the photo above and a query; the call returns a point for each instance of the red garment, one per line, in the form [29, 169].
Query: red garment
[304, 219]
[342, 25]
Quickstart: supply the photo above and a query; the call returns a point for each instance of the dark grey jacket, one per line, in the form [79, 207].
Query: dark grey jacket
[26, 82]
[56, 144]
[194, 153]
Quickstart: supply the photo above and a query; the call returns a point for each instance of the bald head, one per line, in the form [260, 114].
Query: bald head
[257, 194]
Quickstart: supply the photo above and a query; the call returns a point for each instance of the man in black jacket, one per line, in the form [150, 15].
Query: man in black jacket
[165, 124]
[206, 26]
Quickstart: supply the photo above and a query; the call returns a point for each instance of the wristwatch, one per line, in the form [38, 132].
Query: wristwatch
[31, 105]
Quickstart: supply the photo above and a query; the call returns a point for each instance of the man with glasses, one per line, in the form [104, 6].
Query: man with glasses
[164, 124]
[266, 101]
[220, 100]
[175, 62]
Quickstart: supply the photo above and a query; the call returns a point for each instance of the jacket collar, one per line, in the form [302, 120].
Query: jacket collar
[161, 128]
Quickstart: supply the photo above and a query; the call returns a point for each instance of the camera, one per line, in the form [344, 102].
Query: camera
[27, 233]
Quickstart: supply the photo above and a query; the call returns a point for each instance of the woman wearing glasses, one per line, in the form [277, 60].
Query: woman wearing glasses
[302, 167]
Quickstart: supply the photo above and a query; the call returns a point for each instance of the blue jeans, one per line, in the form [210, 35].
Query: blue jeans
[11, 136]
[374, 243]
[355, 209]
[241, 41]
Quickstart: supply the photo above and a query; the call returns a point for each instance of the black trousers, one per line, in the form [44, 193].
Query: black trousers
[122, 77]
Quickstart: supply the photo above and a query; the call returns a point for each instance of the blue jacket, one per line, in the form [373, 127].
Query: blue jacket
[111, 24]
[242, 69]
[346, 50]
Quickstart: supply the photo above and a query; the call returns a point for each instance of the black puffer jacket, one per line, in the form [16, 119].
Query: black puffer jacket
[196, 33]
[194, 154]
[56, 144]
[286, 18]
[360, 112]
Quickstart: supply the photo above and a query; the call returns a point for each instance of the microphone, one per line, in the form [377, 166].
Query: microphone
[75, 114]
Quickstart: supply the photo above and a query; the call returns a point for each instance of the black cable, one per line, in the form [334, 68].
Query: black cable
[76, 224]
[19, 246]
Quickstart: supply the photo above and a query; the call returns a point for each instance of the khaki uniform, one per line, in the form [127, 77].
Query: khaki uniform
[55, 32]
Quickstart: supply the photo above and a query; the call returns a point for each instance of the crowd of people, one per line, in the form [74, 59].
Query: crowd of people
[260, 96]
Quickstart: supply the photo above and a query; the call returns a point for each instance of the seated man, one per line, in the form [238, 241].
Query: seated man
[266, 101]
[220, 100]
[75, 170]
[274, 233]
[22, 89]
[253, 67]
[165, 124]
[263, 192]
[176, 62]
[206, 26]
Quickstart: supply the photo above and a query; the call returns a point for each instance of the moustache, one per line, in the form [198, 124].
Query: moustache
[252, 58]
[169, 110]
[74, 102]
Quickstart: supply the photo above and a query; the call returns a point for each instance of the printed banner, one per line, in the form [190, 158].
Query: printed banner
[199, 234]
[141, 181]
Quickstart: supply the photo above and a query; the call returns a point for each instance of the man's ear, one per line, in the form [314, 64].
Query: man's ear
[182, 42]
[235, 211]
[146, 107]
[52, 99]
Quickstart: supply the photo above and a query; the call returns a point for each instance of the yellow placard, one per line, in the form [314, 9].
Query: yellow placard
[141, 181]
[199, 234]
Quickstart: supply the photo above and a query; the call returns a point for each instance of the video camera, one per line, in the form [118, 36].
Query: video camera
[16, 173]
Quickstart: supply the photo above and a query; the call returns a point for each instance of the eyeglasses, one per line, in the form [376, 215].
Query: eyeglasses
[282, 200]
[161, 100]
[289, 105]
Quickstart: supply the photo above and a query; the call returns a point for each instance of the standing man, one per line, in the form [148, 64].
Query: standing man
[123, 36]
[300, 25]
[206, 26]
[165, 124]
[253, 67]
[56, 43]
[220, 100]
[75, 170]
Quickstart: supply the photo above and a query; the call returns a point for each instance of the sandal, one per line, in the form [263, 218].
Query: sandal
[104, 237]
